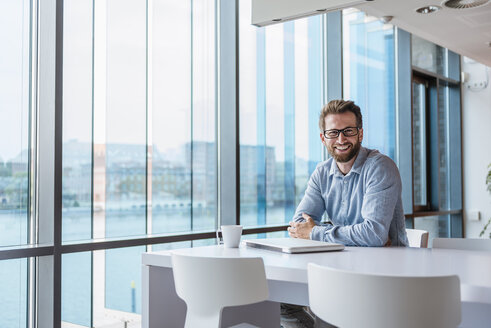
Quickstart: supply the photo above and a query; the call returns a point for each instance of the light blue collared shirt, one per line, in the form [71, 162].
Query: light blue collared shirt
[364, 206]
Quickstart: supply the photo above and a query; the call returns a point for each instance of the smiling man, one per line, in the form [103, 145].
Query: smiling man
[358, 188]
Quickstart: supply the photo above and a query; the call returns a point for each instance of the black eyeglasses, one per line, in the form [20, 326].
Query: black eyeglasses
[334, 133]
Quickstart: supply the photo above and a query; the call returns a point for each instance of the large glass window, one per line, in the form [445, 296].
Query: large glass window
[77, 120]
[369, 77]
[139, 140]
[15, 110]
[15, 104]
[140, 110]
[281, 93]
[436, 150]
[183, 167]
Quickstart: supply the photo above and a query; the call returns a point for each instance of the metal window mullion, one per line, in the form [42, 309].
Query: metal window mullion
[58, 166]
[49, 70]
[149, 130]
[33, 185]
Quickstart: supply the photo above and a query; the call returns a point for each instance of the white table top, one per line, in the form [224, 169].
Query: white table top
[472, 267]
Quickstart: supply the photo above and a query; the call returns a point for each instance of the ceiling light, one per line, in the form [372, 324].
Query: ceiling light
[428, 9]
[386, 19]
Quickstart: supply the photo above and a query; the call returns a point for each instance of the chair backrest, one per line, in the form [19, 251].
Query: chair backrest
[417, 238]
[463, 244]
[348, 299]
[207, 284]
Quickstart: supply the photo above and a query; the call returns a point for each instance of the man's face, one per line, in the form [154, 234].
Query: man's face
[342, 149]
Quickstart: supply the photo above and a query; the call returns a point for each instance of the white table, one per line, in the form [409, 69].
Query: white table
[287, 278]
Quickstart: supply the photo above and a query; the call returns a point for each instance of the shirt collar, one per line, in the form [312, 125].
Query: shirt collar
[357, 165]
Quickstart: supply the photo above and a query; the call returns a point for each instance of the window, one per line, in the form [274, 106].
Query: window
[369, 77]
[139, 142]
[437, 197]
[281, 92]
[15, 156]
[143, 123]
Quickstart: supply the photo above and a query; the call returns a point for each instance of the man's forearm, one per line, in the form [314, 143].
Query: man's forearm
[354, 235]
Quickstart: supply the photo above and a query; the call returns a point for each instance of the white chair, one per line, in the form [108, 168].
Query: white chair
[348, 299]
[468, 244]
[208, 284]
[417, 238]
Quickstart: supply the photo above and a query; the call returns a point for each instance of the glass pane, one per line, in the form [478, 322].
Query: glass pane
[369, 77]
[437, 226]
[419, 145]
[443, 146]
[13, 293]
[76, 291]
[183, 148]
[117, 287]
[124, 110]
[77, 120]
[15, 104]
[280, 79]
[428, 56]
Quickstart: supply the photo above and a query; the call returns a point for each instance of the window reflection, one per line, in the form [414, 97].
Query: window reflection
[429, 56]
[15, 105]
[369, 77]
[280, 72]
[420, 175]
[139, 139]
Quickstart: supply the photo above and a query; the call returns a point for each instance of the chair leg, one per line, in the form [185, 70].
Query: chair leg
[195, 320]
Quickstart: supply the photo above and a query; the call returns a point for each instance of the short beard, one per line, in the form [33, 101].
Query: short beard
[346, 157]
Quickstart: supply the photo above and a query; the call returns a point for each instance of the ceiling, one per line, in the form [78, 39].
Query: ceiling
[464, 31]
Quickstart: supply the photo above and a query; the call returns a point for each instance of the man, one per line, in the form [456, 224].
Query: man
[358, 188]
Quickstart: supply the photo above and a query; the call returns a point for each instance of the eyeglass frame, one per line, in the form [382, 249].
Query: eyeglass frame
[341, 131]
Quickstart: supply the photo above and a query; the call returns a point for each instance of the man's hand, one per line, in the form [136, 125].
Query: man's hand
[301, 229]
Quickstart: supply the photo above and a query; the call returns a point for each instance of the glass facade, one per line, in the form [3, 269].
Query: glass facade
[15, 105]
[369, 77]
[141, 101]
[77, 120]
[139, 140]
[77, 291]
[281, 94]
[15, 173]
[13, 293]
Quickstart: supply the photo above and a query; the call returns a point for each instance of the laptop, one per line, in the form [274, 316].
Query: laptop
[293, 245]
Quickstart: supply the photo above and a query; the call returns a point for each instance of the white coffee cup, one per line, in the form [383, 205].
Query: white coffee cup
[230, 235]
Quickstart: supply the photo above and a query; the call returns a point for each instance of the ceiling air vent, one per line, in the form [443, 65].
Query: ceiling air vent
[464, 4]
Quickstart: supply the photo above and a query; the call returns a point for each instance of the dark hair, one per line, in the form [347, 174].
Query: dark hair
[338, 107]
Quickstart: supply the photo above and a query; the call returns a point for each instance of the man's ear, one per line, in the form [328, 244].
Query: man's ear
[322, 138]
[360, 135]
